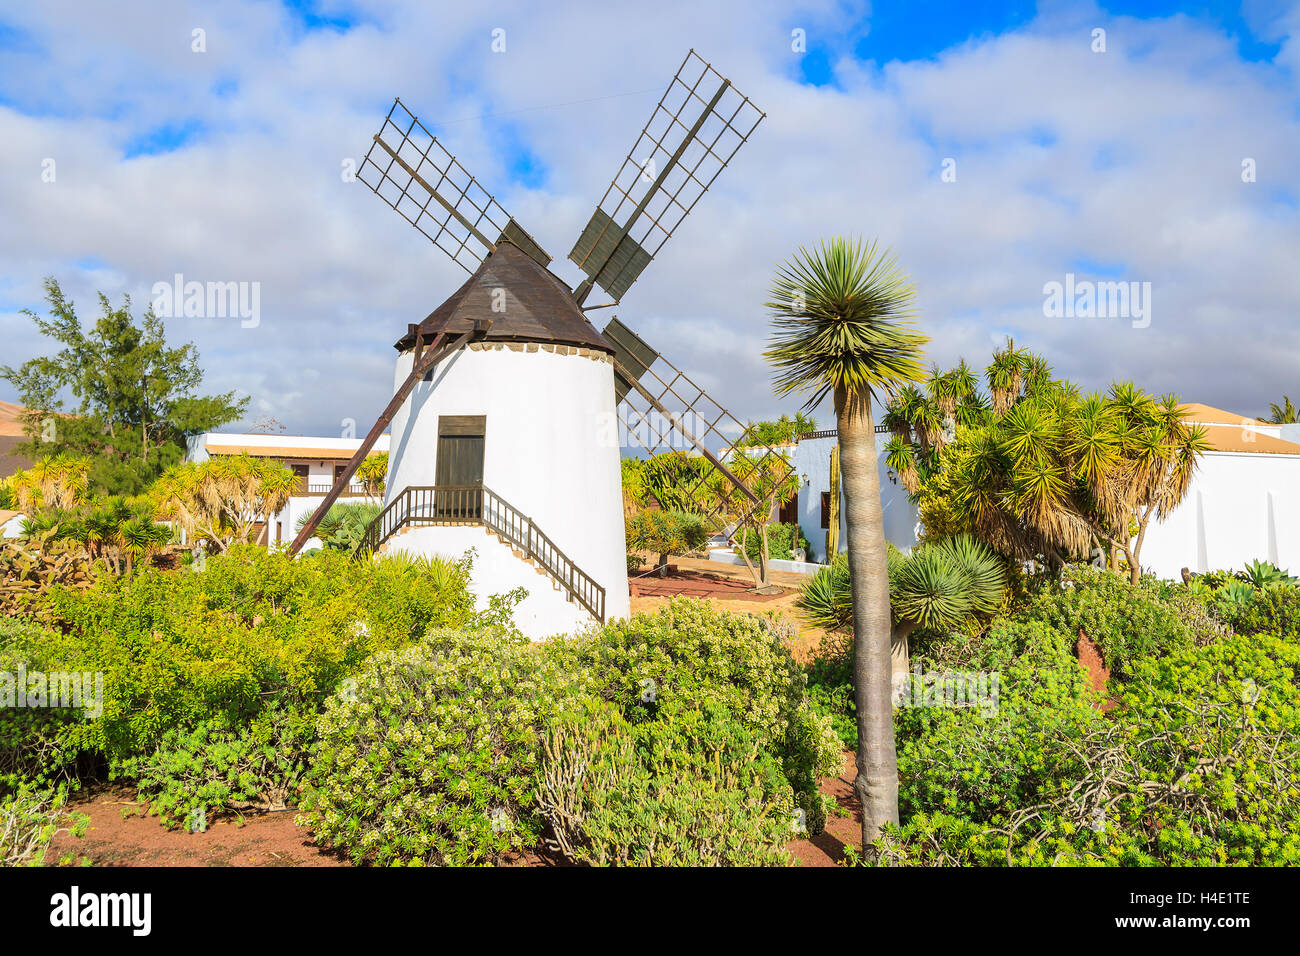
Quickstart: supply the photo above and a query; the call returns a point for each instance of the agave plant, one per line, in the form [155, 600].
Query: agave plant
[1265, 574]
[1238, 593]
[343, 528]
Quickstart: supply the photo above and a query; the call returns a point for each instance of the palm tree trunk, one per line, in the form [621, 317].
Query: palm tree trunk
[901, 647]
[876, 783]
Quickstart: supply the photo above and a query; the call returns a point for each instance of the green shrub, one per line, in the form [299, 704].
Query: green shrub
[32, 744]
[830, 687]
[1197, 766]
[1127, 623]
[180, 648]
[432, 758]
[30, 818]
[979, 763]
[689, 654]
[1274, 610]
[782, 539]
[666, 533]
[693, 787]
[217, 768]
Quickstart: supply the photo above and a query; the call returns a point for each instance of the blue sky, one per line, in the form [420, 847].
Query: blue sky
[224, 164]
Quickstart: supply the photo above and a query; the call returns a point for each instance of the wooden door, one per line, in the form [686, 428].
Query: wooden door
[459, 464]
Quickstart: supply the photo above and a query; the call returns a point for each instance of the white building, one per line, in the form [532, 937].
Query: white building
[11, 524]
[517, 433]
[811, 458]
[316, 461]
[1243, 503]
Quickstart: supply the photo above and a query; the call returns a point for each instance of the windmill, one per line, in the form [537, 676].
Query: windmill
[514, 345]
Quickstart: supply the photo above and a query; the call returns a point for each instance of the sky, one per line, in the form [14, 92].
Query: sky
[997, 148]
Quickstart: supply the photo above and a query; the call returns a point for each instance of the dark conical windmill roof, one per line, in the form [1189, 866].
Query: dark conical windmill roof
[538, 307]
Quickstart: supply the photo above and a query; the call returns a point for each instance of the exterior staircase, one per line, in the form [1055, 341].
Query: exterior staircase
[447, 505]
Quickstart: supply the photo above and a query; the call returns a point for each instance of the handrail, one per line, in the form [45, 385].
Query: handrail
[478, 504]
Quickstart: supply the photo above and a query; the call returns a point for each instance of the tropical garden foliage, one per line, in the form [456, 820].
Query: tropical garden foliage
[344, 525]
[221, 500]
[136, 398]
[781, 431]
[1037, 469]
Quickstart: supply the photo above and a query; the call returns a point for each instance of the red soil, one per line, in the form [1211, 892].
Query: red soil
[697, 584]
[120, 834]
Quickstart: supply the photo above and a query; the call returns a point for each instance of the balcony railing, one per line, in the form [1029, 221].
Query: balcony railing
[307, 488]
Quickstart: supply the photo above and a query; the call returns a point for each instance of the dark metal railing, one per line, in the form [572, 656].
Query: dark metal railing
[834, 433]
[477, 504]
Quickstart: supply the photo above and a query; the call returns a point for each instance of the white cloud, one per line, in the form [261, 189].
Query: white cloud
[1129, 158]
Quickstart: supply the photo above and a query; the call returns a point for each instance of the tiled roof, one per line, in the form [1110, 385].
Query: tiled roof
[535, 306]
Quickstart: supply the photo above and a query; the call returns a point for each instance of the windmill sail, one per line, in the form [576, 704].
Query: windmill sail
[659, 405]
[699, 124]
[410, 170]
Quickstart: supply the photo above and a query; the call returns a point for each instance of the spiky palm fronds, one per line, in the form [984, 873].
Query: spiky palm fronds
[843, 318]
[938, 585]
[900, 456]
[1005, 376]
[1284, 414]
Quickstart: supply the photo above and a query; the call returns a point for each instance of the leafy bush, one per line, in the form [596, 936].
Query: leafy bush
[693, 787]
[688, 655]
[432, 758]
[980, 762]
[782, 539]
[30, 817]
[180, 648]
[1128, 623]
[218, 768]
[830, 687]
[666, 533]
[1197, 766]
[1275, 610]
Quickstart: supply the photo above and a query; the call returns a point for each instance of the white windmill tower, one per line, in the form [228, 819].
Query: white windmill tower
[507, 400]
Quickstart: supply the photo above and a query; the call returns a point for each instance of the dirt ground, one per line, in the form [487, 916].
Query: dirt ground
[729, 587]
[122, 834]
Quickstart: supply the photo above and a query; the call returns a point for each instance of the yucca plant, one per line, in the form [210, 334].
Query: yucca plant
[939, 585]
[843, 327]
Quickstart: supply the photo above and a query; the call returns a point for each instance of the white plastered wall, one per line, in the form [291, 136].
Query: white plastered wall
[550, 450]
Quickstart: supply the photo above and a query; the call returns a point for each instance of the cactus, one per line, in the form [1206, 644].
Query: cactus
[833, 531]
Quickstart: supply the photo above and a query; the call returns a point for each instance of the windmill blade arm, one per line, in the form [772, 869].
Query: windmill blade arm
[681, 427]
[413, 173]
[644, 205]
[437, 350]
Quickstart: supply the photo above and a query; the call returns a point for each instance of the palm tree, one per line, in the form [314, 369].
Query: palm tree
[843, 326]
[1005, 377]
[1284, 414]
